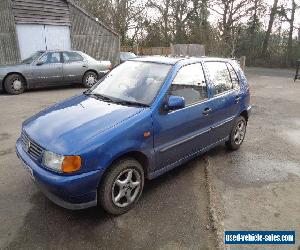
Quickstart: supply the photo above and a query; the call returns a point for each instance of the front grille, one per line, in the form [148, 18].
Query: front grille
[32, 148]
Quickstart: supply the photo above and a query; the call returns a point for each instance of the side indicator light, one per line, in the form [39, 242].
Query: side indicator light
[147, 134]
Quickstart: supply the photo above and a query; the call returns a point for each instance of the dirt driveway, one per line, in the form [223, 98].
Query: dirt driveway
[258, 187]
[255, 188]
[172, 214]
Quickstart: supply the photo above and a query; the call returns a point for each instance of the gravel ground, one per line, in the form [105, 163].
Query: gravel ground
[258, 186]
[172, 213]
[254, 188]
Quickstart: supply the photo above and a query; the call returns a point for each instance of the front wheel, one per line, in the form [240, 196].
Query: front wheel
[237, 134]
[122, 186]
[89, 79]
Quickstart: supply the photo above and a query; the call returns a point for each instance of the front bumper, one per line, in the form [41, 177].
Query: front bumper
[249, 109]
[68, 191]
[103, 73]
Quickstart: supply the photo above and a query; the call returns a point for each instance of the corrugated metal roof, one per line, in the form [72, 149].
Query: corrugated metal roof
[54, 12]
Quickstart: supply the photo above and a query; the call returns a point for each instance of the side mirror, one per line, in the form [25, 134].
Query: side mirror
[174, 103]
[39, 63]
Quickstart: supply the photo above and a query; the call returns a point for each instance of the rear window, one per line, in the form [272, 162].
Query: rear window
[72, 57]
[220, 77]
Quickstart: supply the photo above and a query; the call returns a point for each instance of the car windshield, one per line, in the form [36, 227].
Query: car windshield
[132, 82]
[32, 57]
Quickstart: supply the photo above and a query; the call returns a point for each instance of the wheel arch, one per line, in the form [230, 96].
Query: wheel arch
[245, 114]
[136, 155]
[90, 70]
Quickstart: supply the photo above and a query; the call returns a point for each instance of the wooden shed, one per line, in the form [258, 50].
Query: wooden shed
[27, 26]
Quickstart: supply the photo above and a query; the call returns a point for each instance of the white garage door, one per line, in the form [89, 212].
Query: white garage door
[34, 37]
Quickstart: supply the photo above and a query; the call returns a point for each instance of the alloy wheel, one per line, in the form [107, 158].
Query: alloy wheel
[126, 187]
[239, 132]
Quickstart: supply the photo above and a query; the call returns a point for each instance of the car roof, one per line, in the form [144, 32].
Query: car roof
[174, 60]
[58, 50]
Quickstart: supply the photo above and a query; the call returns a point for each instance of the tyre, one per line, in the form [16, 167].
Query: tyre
[89, 79]
[14, 84]
[237, 134]
[122, 186]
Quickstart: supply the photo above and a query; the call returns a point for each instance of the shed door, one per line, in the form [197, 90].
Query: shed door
[34, 37]
[31, 38]
[57, 37]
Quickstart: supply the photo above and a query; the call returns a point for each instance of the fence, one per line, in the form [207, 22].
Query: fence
[187, 50]
[196, 50]
[175, 49]
[147, 51]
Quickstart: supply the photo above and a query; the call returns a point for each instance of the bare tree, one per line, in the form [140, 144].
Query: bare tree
[121, 15]
[164, 10]
[230, 14]
[291, 20]
[273, 13]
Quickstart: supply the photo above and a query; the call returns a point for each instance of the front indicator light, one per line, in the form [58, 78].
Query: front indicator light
[71, 164]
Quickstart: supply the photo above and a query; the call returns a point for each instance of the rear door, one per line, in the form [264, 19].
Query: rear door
[74, 67]
[226, 97]
[184, 132]
[50, 72]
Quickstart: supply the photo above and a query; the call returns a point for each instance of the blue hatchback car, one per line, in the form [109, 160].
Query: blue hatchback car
[146, 117]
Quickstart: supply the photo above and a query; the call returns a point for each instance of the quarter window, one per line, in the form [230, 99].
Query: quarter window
[190, 84]
[220, 77]
[72, 57]
[234, 77]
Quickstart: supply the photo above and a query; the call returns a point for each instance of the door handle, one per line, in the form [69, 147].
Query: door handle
[206, 111]
[237, 99]
[84, 66]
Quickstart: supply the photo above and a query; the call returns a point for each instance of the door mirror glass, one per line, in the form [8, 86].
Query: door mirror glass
[175, 102]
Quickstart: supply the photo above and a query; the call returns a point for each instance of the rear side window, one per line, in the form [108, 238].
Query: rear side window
[220, 77]
[190, 84]
[72, 57]
[234, 77]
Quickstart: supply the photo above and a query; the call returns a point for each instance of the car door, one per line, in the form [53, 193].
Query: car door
[47, 71]
[185, 131]
[74, 67]
[226, 96]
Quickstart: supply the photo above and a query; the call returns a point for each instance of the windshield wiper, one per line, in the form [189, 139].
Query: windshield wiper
[131, 103]
[121, 102]
[99, 96]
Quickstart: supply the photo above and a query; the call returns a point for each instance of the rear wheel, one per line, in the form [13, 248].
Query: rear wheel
[122, 186]
[89, 79]
[14, 84]
[237, 134]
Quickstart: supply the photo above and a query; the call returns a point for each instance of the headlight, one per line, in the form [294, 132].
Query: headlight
[60, 163]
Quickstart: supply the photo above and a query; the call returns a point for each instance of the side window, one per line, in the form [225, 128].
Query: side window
[234, 77]
[72, 57]
[51, 57]
[190, 84]
[220, 76]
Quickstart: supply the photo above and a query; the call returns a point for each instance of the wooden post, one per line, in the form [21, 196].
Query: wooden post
[243, 62]
[172, 49]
